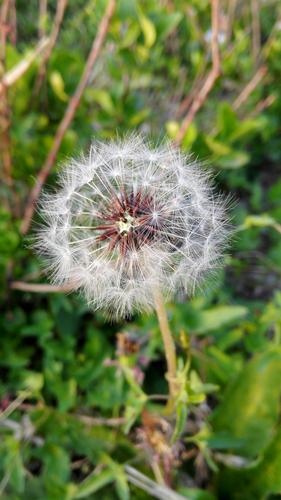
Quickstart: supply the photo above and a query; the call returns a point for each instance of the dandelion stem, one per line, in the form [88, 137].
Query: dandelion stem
[169, 345]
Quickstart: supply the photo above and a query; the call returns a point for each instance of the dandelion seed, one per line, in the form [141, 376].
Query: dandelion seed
[129, 219]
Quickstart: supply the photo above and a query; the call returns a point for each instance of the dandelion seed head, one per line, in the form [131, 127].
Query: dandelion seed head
[128, 218]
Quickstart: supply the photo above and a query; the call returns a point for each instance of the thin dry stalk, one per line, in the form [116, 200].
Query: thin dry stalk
[39, 287]
[256, 30]
[13, 22]
[68, 116]
[151, 487]
[264, 104]
[5, 143]
[86, 419]
[250, 87]
[183, 107]
[43, 4]
[61, 6]
[230, 18]
[201, 96]
[20, 69]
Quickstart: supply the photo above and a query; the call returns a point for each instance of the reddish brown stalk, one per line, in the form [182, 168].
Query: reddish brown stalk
[61, 6]
[5, 145]
[256, 30]
[42, 18]
[185, 104]
[250, 87]
[68, 116]
[264, 104]
[232, 4]
[39, 287]
[200, 98]
[12, 76]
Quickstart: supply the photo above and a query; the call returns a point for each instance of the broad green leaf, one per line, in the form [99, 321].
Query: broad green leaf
[227, 121]
[217, 147]
[218, 316]
[166, 23]
[250, 407]
[56, 464]
[246, 127]
[13, 464]
[258, 482]
[235, 159]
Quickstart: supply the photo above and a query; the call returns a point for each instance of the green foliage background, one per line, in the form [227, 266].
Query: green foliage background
[53, 351]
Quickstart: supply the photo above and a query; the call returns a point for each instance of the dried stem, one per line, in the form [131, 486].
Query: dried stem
[5, 113]
[169, 346]
[232, 4]
[68, 116]
[151, 487]
[185, 104]
[18, 71]
[61, 6]
[250, 87]
[43, 4]
[86, 419]
[39, 287]
[264, 104]
[200, 98]
[256, 30]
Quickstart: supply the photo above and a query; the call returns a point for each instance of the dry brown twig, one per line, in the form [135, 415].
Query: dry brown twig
[256, 30]
[61, 6]
[68, 116]
[5, 113]
[211, 78]
[43, 4]
[250, 87]
[18, 71]
[86, 419]
[184, 105]
[232, 4]
[39, 287]
[264, 104]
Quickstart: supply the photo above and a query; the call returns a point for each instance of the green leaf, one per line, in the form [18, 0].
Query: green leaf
[56, 464]
[263, 220]
[57, 85]
[217, 147]
[233, 160]
[167, 23]
[195, 494]
[172, 128]
[148, 29]
[250, 408]
[102, 97]
[218, 316]
[258, 482]
[94, 483]
[33, 381]
[227, 121]
[13, 464]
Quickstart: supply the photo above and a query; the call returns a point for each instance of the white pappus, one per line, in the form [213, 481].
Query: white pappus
[129, 218]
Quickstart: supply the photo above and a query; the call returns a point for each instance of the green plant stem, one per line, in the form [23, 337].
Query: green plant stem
[169, 345]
